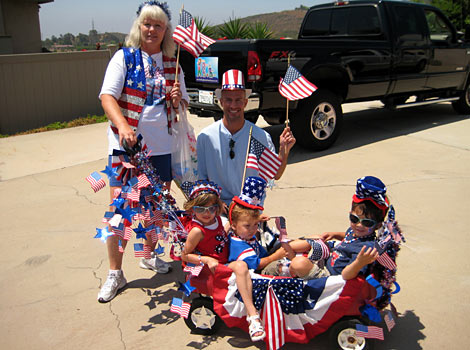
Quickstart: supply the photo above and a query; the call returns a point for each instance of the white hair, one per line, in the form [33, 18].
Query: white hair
[156, 13]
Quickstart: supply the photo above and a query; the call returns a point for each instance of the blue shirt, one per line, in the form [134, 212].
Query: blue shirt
[346, 252]
[213, 156]
[250, 252]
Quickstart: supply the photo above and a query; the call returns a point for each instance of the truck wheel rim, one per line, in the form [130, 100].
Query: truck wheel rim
[203, 318]
[347, 339]
[323, 121]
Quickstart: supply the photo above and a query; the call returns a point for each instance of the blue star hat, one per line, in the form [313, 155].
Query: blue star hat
[372, 189]
[252, 194]
[162, 5]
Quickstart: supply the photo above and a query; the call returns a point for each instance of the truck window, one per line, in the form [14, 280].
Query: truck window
[317, 23]
[408, 24]
[363, 20]
[439, 30]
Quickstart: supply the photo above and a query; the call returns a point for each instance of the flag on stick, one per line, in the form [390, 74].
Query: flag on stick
[96, 181]
[260, 158]
[369, 332]
[295, 86]
[389, 321]
[178, 306]
[187, 35]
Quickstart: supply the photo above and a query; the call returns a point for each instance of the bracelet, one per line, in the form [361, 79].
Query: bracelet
[200, 261]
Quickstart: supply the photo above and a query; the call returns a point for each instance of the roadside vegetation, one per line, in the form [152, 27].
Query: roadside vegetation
[90, 119]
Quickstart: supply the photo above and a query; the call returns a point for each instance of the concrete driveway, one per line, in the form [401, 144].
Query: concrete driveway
[52, 268]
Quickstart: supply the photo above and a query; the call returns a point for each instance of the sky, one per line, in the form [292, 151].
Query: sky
[72, 16]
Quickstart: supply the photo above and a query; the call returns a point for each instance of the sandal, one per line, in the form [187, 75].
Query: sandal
[255, 327]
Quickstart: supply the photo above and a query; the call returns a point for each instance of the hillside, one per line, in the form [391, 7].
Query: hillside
[282, 24]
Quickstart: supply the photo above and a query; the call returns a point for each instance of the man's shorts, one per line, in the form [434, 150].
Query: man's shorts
[161, 163]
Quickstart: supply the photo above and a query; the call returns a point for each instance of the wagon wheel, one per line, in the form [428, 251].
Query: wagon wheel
[343, 336]
[202, 318]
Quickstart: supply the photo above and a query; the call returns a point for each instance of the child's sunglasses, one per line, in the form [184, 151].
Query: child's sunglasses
[364, 222]
[201, 210]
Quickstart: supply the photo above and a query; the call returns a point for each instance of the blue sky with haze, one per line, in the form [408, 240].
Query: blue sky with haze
[72, 16]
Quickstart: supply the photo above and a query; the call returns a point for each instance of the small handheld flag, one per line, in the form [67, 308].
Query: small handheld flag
[178, 306]
[295, 86]
[187, 35]
[262, 159]
[96, 181]
[369, 332]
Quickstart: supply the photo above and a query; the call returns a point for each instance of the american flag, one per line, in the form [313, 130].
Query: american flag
[128, 231]
[369, 332]
[281, 226]
[195, 270]
[96, 181]
[143, 181]
[187, 35]
[139, 250]
[295, 86]
[262, 159]
[385, 260]
[319, 250]
[274, 321]
[119, 230]
[147, 251]
[178, 306]
[152, 235]
[389, 321]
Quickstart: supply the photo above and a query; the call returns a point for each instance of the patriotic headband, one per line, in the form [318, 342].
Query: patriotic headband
[372, 189]
[204, 186]
[252, 193]
[162, 5]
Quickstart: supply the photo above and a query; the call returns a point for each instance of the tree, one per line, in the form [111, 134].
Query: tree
[234, 29]
[259, 30]
[458, 11]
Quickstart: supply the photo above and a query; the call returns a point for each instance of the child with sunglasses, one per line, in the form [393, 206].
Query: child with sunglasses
[356, 250]
[207, 243]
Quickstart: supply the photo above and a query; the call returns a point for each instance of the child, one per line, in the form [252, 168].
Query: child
[207, 243]
[357, 249]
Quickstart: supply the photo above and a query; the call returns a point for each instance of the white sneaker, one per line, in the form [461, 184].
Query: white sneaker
[113, 284]
[156, 264]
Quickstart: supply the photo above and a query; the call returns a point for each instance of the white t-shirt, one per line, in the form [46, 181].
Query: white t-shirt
[153, 121]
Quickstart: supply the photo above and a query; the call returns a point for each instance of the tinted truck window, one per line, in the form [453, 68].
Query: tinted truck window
[353, 20]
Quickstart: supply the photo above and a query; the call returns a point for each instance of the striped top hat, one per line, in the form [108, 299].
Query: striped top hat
[233, 79]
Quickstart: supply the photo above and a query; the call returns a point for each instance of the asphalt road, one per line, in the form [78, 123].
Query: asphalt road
[52, 268]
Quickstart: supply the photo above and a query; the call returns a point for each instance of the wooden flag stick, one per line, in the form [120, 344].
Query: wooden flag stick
[246, 158]
[287, 104]
[178, 54]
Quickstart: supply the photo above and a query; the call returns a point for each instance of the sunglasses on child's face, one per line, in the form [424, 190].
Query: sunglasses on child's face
[201, 210]
[364, 222]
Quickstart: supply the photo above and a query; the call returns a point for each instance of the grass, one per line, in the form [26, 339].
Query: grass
[90, 119]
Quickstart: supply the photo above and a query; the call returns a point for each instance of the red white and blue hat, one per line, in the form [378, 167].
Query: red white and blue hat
[233, 79]
[372, 189]
[252, 194]
[204, 186]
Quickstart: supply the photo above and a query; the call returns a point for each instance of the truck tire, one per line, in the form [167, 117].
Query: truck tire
[318, 120]
[462, 106]
[202, 318]
[343, 336]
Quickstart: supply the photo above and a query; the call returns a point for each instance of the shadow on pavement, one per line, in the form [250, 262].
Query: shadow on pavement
[372, 125]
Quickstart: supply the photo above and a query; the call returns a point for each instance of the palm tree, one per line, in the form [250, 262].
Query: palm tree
[260, 30]
[234, 29]
[204, 27]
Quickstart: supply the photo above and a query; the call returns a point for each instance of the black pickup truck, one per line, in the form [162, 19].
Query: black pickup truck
[402, 53]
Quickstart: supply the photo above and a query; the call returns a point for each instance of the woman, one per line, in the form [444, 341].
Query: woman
[140, 96]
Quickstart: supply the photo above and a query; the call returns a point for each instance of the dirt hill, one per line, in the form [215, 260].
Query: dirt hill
[282, 24]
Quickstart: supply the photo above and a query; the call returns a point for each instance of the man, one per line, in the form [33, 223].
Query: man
[222, 147]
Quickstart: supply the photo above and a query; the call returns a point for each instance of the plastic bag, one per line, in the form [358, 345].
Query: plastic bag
[184, 157]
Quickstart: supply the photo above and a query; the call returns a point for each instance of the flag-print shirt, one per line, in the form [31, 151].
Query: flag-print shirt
[346, 252]
[250, 252]
[215, 241]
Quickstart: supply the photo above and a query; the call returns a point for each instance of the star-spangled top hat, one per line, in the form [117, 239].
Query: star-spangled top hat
[203, 186]
[372, 189]
[252, 194]
[233, 79]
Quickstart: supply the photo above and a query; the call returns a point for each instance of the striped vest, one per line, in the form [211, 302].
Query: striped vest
[134, 92]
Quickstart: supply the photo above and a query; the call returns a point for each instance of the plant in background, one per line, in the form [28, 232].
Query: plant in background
[234, 29]
[260, 30]
[204, 27]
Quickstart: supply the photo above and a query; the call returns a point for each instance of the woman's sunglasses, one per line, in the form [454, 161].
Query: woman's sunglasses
[201, 210]
[364, 222]
[231, 144]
